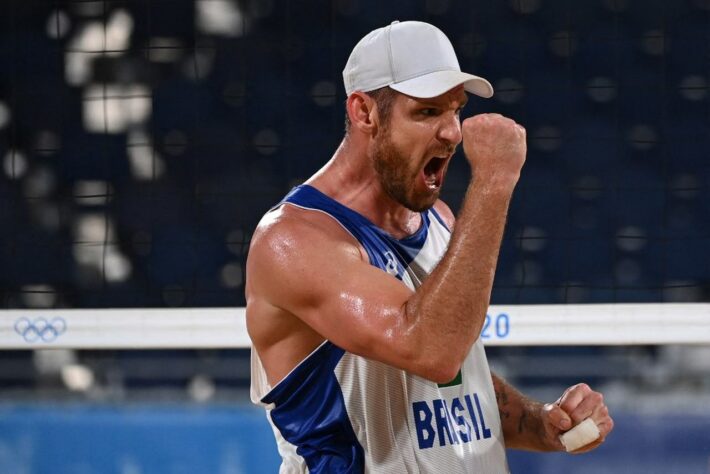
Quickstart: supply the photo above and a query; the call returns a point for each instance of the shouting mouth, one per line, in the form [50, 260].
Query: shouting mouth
[433, 172]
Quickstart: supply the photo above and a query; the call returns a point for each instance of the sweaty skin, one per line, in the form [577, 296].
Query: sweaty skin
[309, 280]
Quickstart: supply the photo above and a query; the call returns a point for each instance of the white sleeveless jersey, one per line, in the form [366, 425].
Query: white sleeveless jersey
[337, 412]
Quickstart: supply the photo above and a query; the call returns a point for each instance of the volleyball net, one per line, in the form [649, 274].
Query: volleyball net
[141, 142]
[139, 152]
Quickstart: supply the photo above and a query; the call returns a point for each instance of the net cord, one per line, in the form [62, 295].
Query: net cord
[212, 328]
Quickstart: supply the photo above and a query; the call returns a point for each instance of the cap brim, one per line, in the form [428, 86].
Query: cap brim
[436, 83]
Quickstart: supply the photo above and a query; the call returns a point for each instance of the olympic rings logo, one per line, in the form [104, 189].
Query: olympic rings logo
[40, 329]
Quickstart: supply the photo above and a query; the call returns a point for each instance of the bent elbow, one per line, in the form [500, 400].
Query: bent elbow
[441, 371]
[447, 374]
[437, 365]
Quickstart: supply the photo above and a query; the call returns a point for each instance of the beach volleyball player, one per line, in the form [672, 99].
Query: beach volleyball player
[366, 297]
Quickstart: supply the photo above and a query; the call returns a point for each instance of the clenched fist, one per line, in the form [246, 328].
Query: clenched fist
[578, 403]
[495, 147]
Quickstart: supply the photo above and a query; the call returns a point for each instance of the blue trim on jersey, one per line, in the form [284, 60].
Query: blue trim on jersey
[440, 219]
[383, 250]
[309, 411]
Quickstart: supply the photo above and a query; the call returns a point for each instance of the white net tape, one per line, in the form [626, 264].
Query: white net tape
[521, 325]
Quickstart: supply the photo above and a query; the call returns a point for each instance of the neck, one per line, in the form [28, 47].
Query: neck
[350, 178]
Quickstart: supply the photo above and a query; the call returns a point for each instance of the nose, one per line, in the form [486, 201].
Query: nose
[450, 130]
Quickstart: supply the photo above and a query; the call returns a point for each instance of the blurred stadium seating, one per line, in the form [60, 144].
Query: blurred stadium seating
[140, 143]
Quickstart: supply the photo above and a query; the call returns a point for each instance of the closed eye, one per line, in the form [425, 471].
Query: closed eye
[430, 112]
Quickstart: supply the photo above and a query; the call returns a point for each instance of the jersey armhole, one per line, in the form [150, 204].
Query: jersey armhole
[360, 246]
[440, 219]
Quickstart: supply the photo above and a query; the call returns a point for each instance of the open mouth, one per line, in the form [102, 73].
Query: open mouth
[433, 172]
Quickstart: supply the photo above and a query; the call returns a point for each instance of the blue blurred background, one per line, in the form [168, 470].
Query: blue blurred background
[141, 141]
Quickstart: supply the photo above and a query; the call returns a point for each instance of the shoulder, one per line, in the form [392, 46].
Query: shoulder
[445, 213]
[288, 234]
[287, 224]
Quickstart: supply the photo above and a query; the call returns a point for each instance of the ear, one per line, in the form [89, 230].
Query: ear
[361, 110]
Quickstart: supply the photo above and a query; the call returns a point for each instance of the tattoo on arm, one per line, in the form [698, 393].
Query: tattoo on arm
[519, 416]
[502, 400]
[521, 422]
[504, 408]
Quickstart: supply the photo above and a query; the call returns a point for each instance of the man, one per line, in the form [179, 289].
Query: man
[366, 298]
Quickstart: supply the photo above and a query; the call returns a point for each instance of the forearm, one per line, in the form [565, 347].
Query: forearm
[449, 309]
[520, 418]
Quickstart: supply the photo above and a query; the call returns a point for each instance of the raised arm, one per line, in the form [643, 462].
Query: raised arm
[452, 302]
[308, 267]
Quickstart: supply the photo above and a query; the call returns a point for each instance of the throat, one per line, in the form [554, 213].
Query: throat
[400, 224]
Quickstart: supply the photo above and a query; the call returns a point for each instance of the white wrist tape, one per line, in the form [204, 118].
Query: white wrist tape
[581, 435]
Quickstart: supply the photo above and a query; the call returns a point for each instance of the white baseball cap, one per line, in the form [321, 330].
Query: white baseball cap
[411, 57]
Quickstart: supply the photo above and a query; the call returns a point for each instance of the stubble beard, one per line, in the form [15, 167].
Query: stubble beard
[393, 173]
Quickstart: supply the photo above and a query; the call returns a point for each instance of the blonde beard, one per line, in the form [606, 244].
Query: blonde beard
[391, 171]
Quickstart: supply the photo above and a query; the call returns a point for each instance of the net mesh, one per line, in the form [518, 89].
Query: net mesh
[142, 141]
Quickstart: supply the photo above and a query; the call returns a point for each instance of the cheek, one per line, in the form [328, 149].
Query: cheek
[412, 142]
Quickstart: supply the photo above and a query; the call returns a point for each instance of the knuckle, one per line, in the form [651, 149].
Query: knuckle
[566, 405]
[470, 123]
[606, 426]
